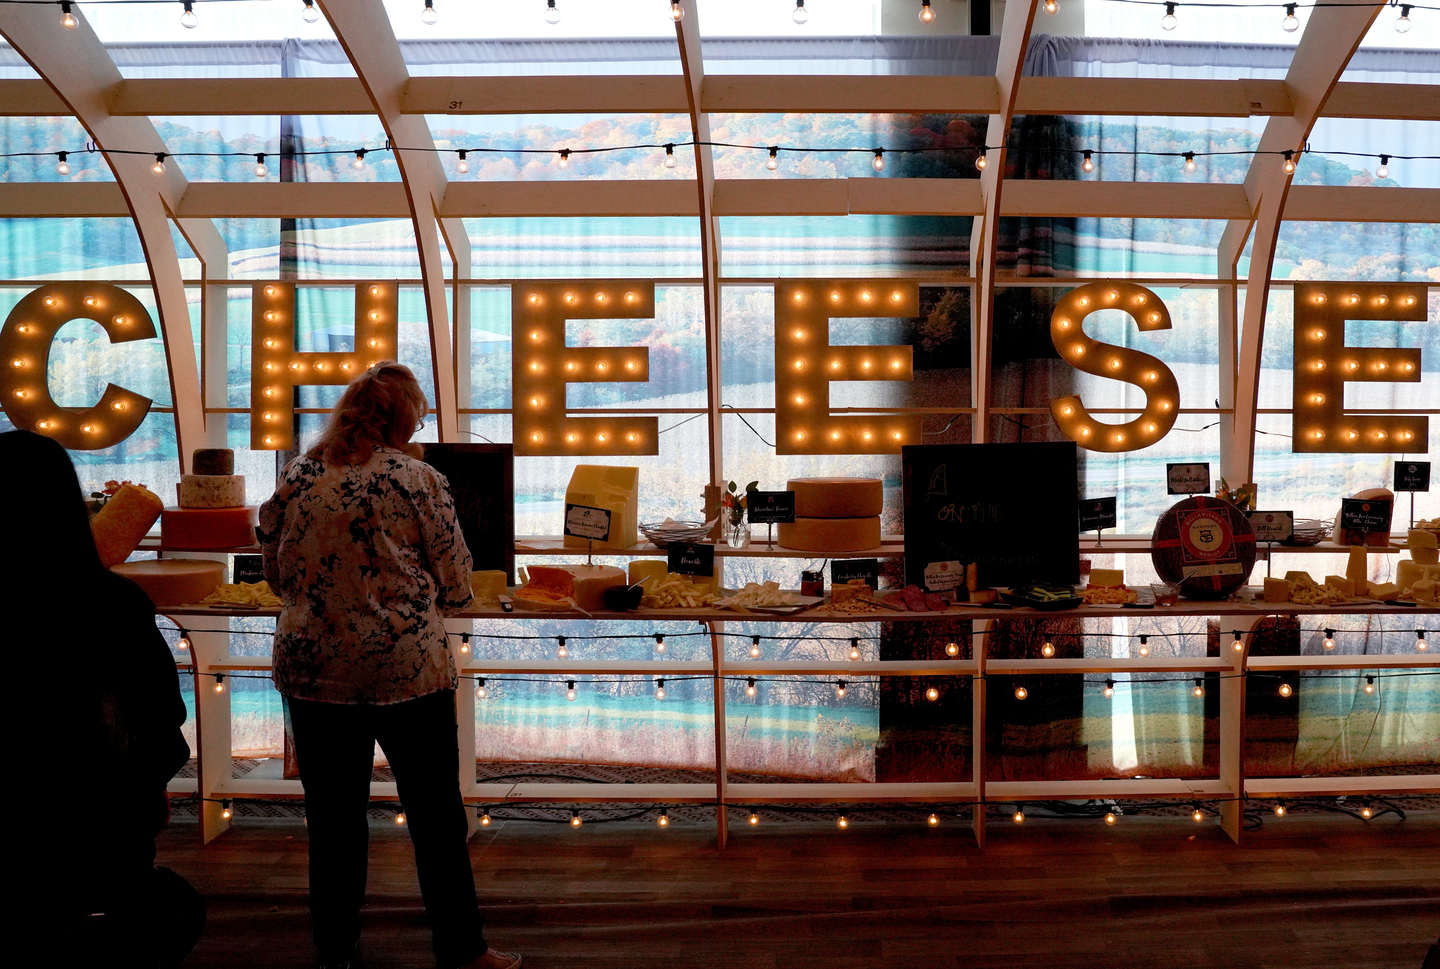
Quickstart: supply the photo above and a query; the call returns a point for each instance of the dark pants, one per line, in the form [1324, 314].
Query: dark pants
[335, 745]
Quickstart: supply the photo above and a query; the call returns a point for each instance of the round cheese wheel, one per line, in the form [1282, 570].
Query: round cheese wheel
[123, 522]
[837, 497]
[202, 528]
[1206, 546]
[213, 460]
[174, 582]
[830, 534]
[212, 490]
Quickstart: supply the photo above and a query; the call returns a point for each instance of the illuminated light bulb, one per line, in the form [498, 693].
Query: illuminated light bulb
[1382, 300]
[602, 437]
[834, 364]
[800, 399]
[1352, 365]
[932, 694]
[1154, 317]
[1110, 817]
[91, 302]
[840, 689]
[864, 364]
[572, 366]
[677, 12]
[801, 14]
[296, 365]
[1198, 689]
[1238, 643]
[1151, 427]
[659, 644]
[1088, 165]
[842, 821]
[1407, 367]
[1140, 299]
[799, 297]
[1114, 363]
[1288, 166]
[1144, 646]
[1379, 435]
[1113, 295]
[562, 159]
[575, 821]
[629, 297]
[1320, 298]
[659, 689]
[834, 295]
[1291, 23]
[663, 820]
[798, 333]
[1352, 299]
[1408, 301]
[1197, 815]
[1048, 649]
[45, 425]
[428, 15]
[1403, 436]
[1369, 684]
[1420, 643]
[570, 690]
[1078, 349]
[865, 296]
[225, 811]
[1019, 816]
[68, 21]
[952, 648]
[879, 161]
[896, 364]
[1352, 435]
[933, 820]
[534, 336]
[535, 438]
[834, 435]
[535, 366]
[22, 394]
[183, 643]
[464, 644]
[269, 290]
[602, 366]
[1367, 812]
[854, 649]
[462, 162]
[750, 686]
[670, 160]
[1285, 690]
[1067, 410]
[25, 327]
[927, 15]
[799, 435]
[1109, 688]
[261, 171]
[1279, 809]
[1317, 435]
[799, 364]
[188, 19]
[118, 405]
[1051, 7]
[1189, 163]
[219, 682]
[62, 167]
[569, 297]
[481, 691]
[1083, 432]
[982, 162]
[1402, 23]
[1084, 301]
[1021, 693]
[359, 163]
[632, 437]
[562, 651]
[270, 439]
[485, 819]
[754, 819]
[346, 366]
[372, 343]
[269, 316]
[552, 13]
[1165, 405]
[754, 647]
[600, 297]
[268, 343]
[631, 365]
[88, 428]
[1317, 334]
[896, 435]
[1381, 365]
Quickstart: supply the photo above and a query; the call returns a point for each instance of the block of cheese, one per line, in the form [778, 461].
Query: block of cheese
[1424, 591]
[848, 591]
[1407, 573]
[212, 490]
[984, 596]
[1420, 538]
[487, 585]
[174, 582]
[1300, 579]
[837, 497]
[1384, 591]
[1343, 583]
[213, 460]
[615, 489]
[1426, 556]
[197, 528]
[830, 534]
[1343, 536]
[1107, 578]
[584, 585]
[642, 569]
[1278, 590]
[123, 522]
[1357, 569]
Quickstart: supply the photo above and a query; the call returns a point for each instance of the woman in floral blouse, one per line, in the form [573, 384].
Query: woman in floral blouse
[362, 543]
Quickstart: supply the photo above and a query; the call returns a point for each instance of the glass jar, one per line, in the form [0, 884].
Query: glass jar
[737, 532]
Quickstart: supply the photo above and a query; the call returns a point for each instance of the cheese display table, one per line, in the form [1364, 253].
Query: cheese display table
[210, 661]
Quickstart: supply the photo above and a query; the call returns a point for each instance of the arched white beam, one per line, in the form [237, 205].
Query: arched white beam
[76, 66]
[687, 36]
[984, 235]
[364, 32]
[1331, 38]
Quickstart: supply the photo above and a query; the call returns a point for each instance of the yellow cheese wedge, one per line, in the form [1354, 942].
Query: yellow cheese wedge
[1424, 591]
[837, 497]
[642, 569]
[1107, 578]
[1420, 538]
[123, 522]
[1407, 573]
[1357, 570]
[1426, 556]
[487, 585]
[1342, 583]
[174, 582]
[984, 596]
[1278, 590]
[615, 489]
[1384, 591]
[830, 534]
[1300, 579]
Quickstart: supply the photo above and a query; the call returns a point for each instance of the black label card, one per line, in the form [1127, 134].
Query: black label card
[582, 521]
[249, 568]
[843, 570]
[1272, 526]
[771, 506]
[692, 559]
[1365, 514]
[1412, 475]
[1096, 513]
[1187, 479]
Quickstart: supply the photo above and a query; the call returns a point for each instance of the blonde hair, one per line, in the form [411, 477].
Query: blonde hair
[378, 409]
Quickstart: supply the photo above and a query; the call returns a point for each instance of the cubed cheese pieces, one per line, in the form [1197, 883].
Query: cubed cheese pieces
[1300, 579]
[1107, 578]
[1278, 590]
[1357, 570]
[1344, 584]
[615, 489]
[1384, 591]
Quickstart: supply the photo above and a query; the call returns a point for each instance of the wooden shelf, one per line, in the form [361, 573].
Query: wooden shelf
[597, 793]
[855, 668]
[1377, 786]
[1146, 787]
[1138, 544]
[1388, 661]
[1151, 664]
[890, 547]
[849, 793]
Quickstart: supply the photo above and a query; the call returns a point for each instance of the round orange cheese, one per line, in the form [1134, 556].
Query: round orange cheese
[174, 582]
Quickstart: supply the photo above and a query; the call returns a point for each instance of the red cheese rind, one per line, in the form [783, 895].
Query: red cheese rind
[123, 522]
[200, 528]
[1166, 551]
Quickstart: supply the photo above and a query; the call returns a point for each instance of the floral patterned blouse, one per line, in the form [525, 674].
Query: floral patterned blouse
[367, 558]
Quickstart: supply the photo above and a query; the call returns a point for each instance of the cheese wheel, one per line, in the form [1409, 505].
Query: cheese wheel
[1345, 536]
[837, 497]
[212, 490]
[213, 460]
[642, 569]
[830, 534]
[200, 528]
[488, 585]
[1204, 545]
[174, 582]
[123, 522]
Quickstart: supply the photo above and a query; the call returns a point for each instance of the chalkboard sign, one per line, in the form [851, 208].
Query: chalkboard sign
[843, 570]
[698, 559]
[482, 481]
[249, 568]
[771, 506]
[1412, 475]
[1010, 508]
[1365, 514]
[1272, 526]
[1187, 479]
[1096, 513]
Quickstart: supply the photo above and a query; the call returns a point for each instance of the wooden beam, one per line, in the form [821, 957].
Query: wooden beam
[1152, 97]
[211, 96]
[31, 98]
[619, 198]
[296, 200]
[850, 93]
[1384, 101]
[540, 94]
[1357, 203]
[1140, 200]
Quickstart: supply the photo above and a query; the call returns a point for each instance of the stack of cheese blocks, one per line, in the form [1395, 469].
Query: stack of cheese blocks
[212, 512]
[834, 514]
[1419, 576]
[616, 490]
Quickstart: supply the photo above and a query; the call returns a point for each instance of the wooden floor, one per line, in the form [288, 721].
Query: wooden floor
[1152, 892]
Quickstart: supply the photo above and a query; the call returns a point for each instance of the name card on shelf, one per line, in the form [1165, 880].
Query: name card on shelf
[1365, 514]
[1187, 479]
[843, 570]
[697, 559]
[1097, 513]
[1272, 526]
[1412, 476]
[249, 568]
[582, 521]
[771, 507]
